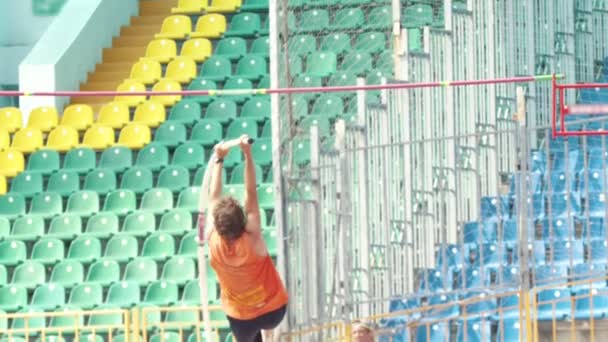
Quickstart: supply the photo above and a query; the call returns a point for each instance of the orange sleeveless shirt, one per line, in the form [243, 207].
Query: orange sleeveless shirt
[249, 283]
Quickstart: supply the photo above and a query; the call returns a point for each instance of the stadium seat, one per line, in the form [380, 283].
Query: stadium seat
[244, 24]
[197, 49]
[189, 7]
[241, 126]
[150, 114]
[65, 227]
[347, 19]
[106, 315]
[141, 271]
[161, 293]
[313, 120]
[174, 178]
[357, 63]
[146, 71]
[62, 139]
[12, 298]
[338, 43]
[175, 222]
[83, 203]
[189, 155]
[182, 317]
[175, 27]
[48, 297]
[385, 62]
[167, 336]
[77, 116]
[47, 204]
[371, 42]
[157, 200]
[139, 224]
[134, 136]
[114, 114]
[5, 139]
[12, 206]
[123, 294]
[185, 112]
[256, 108]
[179, 270]
[86, 296]
[216, 68]
[11, 119]
[27, 140]
[170, 134]
[121, 248]
[181, 69]
[153, 156]
[201, 84]
[43, 118]
[104, 272]
[302, 45]
[266, 196]
[212, 25]
[100, 181]
[255, 6]
[591, 304]
[262, 152]
[120, 202]
[266, 130]
[28, 228]
[165, 85]
[553, 304]
[234, 157]
[189, 199]
[223, 6]
[328, 105]
[130, 86]
[313, 20]
[474, 329]
[161, 50]
[236, 191]
[306, 81]
[158, 246]
[27, 184]
[29, 274]
[200, 172]
[379, 18]
[116, 158]
[417, 15]
[138, 179]
[67, 273]
[98, 137]
[207, 132]
[102, 225]
[3, 185]
[238, 174]
[63, 182]
[260, 47]
[222, 110]
[237, 84]
[252, 67]
[84, 249]
[188, 246]
[48, 251]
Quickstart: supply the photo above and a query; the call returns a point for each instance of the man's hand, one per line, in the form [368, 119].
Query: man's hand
[220, 150]
[245, 145]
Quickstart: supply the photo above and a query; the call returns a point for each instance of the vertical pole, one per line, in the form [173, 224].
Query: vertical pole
[315, 265]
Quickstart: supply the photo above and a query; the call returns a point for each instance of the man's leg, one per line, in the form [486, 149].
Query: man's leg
[268, 335]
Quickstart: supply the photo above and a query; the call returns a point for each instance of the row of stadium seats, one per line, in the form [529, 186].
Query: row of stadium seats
[199, 6]
[213, 25]
[345, 19]
[341, 43]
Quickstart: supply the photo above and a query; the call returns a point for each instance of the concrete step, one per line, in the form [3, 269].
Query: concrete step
[156, 7]
[146, 30]
[131, 41]
[124, 67]
[95, 101]
[100, 86]
[107, 76]
[148, 20]
[123, 54]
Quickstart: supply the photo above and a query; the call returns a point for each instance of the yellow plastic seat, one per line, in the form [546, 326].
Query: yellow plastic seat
[166, 85]
[134, 136]
[43, 118]
[150, 113]
[5, 139]
[211, 25]
[199, 49]
[62, 138]
[114, 114]
[181, 69]
[189, 7]
[11, 119]
[2, 185]
[131, 86]
[98, 137]
[78, 116]
[146, 71]
[27, 140]
[175, 27]
[161, 50]
[224, 6]
[12, 163]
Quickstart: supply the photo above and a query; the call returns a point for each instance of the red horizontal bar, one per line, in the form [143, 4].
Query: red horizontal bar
[580, 133]
[581, 85]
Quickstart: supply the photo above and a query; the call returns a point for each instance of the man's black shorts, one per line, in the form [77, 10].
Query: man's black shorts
[251, 330]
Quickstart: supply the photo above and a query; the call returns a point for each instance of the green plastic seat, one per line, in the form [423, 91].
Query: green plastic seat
[264, 83]
[298, 107]
[170, 134]
[63, 182]
[81, 160]
[189, 155]
[221, 110]
[302, 45]
[12, 252]
[106, 317]
[158, 246]
[139, 223]
[242, 126]
[116, 158]
[343, 78]
[174, 177]
[102, 225]
[338, 43]
[68, 273]
[43, 161]
[232, 48]
[29, 274]
[27, 183]
[256, 108]
[103, 272]
[266, 196]
[328, 105]
[122, 338]
[176, 222]
[153, 156]
[179, 270]
[3, 275]
[351, 18]
[83, 203]
[12, 206]
[84, 249]
[185, 112]
[238, 177]
[252, 67]
[161, 293]
[48, 297]
[192, 292]
[379, 18]
[65, 227]
[48, 251]
[255, 6]
[29, 320]
[295, 64]
[301, 151]
[182, 319]
[207, 132]
[138, 179]
[216, 68]
[120, 202]
[121, 248]
[166, 336]
[262, 152]
[417, 15]
[314, 20]
[47, 204]
[237, 84]
[71, 316]
[5, 227]
[141, 270]
[236, 191]
[86, 296]
[266, 130]
[201, 83]
[385, 62]
[200, 173]
[307, 81]
[316, 120]
[189, 199]
[357, 62]
[371, 42]
[188, 246]
[13, 298]
[157, 200]
[244, 24]
[28, 228]
[260, 47]
[123, 294]
[51, 338]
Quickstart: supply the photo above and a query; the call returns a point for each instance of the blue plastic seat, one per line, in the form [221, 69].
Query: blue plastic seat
[473, 278]
[494, 208]
[591, 181]
[598, 250]
[591, 274]
[557, 229]
[479, 303]
[566, 252]
[554, 304]
[474, 330]
[550, 274]
[444, 311]
[490, 255]
[596, 204]
[449, 256]
[534, 181]
[564, 163]
[563, 206]
[594, 227]
[437, 332]
[508, 307]
[510, 277]
[509, 330]
[591, 303]
[476, 232]
[560, 182]
[432, 280]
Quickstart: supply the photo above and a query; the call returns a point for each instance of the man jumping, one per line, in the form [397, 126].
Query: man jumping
[252, 293]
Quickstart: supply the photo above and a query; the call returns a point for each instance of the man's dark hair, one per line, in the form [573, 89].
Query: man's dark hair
[229, 218]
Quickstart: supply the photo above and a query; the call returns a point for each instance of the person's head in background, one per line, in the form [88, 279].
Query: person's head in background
[362, 332]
